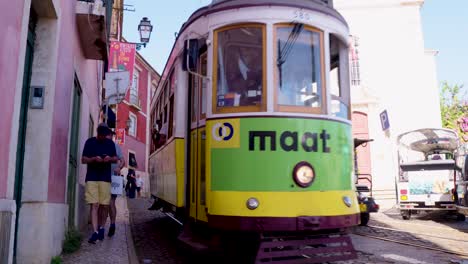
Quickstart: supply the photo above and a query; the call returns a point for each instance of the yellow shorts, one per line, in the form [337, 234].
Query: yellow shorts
[98, 192]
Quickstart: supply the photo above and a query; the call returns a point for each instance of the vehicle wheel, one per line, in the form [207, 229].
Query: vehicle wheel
[461, 217]
[406, 215]
[364, 219]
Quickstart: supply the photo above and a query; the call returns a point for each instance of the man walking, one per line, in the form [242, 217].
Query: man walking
[116, 168]
[99, 153]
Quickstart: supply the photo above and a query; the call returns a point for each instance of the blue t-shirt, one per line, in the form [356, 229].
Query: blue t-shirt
[93, 148]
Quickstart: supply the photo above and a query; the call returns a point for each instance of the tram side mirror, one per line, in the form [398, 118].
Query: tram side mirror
[190, 55]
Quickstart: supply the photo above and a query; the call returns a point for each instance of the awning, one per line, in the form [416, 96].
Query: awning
[429, 139]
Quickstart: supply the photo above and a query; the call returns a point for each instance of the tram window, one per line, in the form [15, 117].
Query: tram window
[339, 101]
[240, 71]
[299, 68]
[171, 117]
[194, 96]
[173, 83]
[203, 85]
[166, 92]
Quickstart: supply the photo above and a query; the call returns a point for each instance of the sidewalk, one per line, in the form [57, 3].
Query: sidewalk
[119, 249]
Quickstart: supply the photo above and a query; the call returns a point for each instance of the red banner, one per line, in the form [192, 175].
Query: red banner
[122, 57]
[120, 136]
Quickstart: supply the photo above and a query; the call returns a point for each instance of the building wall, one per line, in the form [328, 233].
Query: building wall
[397, 75]
[139, 144]
[43, 215]
[11, 25]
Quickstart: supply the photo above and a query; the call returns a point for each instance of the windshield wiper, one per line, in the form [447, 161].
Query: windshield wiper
[284, 53]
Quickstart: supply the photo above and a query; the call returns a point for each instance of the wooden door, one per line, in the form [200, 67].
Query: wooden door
[363, 155]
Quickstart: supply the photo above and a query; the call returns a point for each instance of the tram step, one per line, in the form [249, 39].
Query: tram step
[305, 249]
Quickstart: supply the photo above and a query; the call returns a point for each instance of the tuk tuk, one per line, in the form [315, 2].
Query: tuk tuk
[367, 203]
[426, 171]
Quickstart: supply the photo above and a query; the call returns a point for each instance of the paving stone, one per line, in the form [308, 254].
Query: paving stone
[110, 250]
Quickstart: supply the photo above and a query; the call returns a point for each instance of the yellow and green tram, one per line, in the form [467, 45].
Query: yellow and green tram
[251, 127]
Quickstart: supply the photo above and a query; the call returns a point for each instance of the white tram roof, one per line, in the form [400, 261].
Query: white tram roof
[429, 139]
[326, 2]
[323, 6]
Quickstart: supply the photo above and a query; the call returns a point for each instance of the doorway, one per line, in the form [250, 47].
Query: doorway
[197, 143]
[73, 157]
[363, 167]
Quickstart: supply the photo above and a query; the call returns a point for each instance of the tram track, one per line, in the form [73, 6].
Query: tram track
[414, 233]
[412, 244]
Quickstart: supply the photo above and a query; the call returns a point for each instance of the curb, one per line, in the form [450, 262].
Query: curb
[132, 256]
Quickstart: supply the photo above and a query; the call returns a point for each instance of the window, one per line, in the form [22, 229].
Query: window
[339, 88]
[133, 125]
[194, 91]
[203, 85]
[239, 74]
[171, 117]
[173, 81]
[134, 89]
[299, 69]
[354, 58]
[132, 163]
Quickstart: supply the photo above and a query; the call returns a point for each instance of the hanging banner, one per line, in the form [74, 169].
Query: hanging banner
[122, 57]
[120, 136]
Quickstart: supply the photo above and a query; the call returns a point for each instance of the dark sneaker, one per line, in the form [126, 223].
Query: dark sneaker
[93, 238]
[101, 233]
[111, 230]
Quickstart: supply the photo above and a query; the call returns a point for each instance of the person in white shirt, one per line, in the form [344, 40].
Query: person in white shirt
[139, 184]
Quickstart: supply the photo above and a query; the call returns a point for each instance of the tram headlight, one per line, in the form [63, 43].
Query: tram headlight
[303, 174]
[252, 203]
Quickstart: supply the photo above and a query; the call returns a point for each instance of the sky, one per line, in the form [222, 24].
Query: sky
[445, 27]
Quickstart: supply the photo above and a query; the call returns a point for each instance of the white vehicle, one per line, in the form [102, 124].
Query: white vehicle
[461, 182]
[426, 171]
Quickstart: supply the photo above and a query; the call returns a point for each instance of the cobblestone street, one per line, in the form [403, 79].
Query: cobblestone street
[155, 239]
[154, 234]
[116, 250]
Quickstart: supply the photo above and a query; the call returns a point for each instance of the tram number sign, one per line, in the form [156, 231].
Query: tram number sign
[302, 15]
[384, 120]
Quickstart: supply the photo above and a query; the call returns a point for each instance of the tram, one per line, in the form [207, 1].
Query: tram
[427, 171]
[251, 130]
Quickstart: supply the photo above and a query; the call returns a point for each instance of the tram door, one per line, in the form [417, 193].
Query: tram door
[197, 143]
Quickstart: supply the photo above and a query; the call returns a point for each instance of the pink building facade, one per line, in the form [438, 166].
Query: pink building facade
[52, 63]
[133, 117]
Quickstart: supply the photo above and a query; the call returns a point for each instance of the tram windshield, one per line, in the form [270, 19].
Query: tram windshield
[240, 66]
[299, 66]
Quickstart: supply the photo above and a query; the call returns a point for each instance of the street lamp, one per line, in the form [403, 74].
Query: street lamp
[145, 28]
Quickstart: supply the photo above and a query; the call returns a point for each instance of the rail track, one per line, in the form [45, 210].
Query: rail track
[407, 243]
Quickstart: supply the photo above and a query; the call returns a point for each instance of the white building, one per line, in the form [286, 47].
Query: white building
[397, 74]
